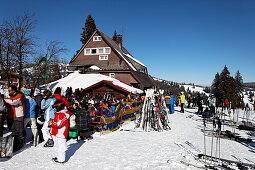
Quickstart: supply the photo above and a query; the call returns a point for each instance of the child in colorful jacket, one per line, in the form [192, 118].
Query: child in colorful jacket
[59, 131]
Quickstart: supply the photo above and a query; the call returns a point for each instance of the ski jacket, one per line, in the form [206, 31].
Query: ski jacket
[167, 99]
[82, 119]
[60, 124]
[46, 106]
[173, 100]
[59, 97]
[17, 105]
[182, 98]
[30, 105]
[212, 101]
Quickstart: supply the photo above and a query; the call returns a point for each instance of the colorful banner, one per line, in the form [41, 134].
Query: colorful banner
[124, 112]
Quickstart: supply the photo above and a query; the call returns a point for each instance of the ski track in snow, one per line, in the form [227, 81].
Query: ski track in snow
[133, 149]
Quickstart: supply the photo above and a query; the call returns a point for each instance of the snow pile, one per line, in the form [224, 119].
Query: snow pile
[134, 149]
[77, 80]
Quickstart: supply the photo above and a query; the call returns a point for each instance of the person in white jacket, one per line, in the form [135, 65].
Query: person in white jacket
[212, 104]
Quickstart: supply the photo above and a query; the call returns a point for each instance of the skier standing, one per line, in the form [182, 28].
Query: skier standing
[172, 102]
[212, 104]
[199, 104]
[30, 117]
[15, 118]
[182, 100]
[46, 106]
[60, 128]
[167, 100]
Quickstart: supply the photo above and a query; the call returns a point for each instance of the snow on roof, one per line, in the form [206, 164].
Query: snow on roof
[77, 80]
[95, 67]
[130, 56]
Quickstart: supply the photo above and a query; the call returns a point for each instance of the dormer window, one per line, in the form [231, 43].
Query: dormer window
[97, 38]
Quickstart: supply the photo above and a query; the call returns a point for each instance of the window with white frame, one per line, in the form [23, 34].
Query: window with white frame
[100, 50]
[112, 75]
[97, 38]
[87, 51]
[103, 57]
[107, 50]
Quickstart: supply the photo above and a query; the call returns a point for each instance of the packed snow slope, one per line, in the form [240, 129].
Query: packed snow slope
[133, 149]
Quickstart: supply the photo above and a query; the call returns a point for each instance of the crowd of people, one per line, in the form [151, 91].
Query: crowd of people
[191, 102]
[52, 117]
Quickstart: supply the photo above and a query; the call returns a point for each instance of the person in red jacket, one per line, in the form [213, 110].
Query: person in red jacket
[57, 95]
[59, 131]
[15, 120]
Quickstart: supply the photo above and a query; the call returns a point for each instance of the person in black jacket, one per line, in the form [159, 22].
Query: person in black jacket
[199, 104]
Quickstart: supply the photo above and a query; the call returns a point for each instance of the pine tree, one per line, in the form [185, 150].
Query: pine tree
[88, 30]
[215, 88]
[239, 81]
[226, 87]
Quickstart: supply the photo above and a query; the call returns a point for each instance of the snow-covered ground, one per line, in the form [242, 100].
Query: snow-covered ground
[134, 149]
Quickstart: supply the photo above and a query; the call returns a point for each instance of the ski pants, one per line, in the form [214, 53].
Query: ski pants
[60, 148]
[46, 131]
[172, 108]
[32, 122]
[212, 110]
[17, 129]
[182, 107]
[169, 108]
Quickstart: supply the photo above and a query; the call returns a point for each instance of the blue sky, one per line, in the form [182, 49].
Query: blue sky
[179, 40]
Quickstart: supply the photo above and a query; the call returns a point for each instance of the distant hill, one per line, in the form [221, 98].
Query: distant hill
[249, 84]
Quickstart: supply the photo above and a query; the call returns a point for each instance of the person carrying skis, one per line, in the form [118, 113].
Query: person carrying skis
[59, 131]
[46, 106]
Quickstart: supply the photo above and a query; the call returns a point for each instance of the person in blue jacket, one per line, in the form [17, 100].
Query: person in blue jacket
[30, 117]
[46, 106]
[172, 102]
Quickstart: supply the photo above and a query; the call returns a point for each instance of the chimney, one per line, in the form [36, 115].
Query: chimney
[119, 41]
